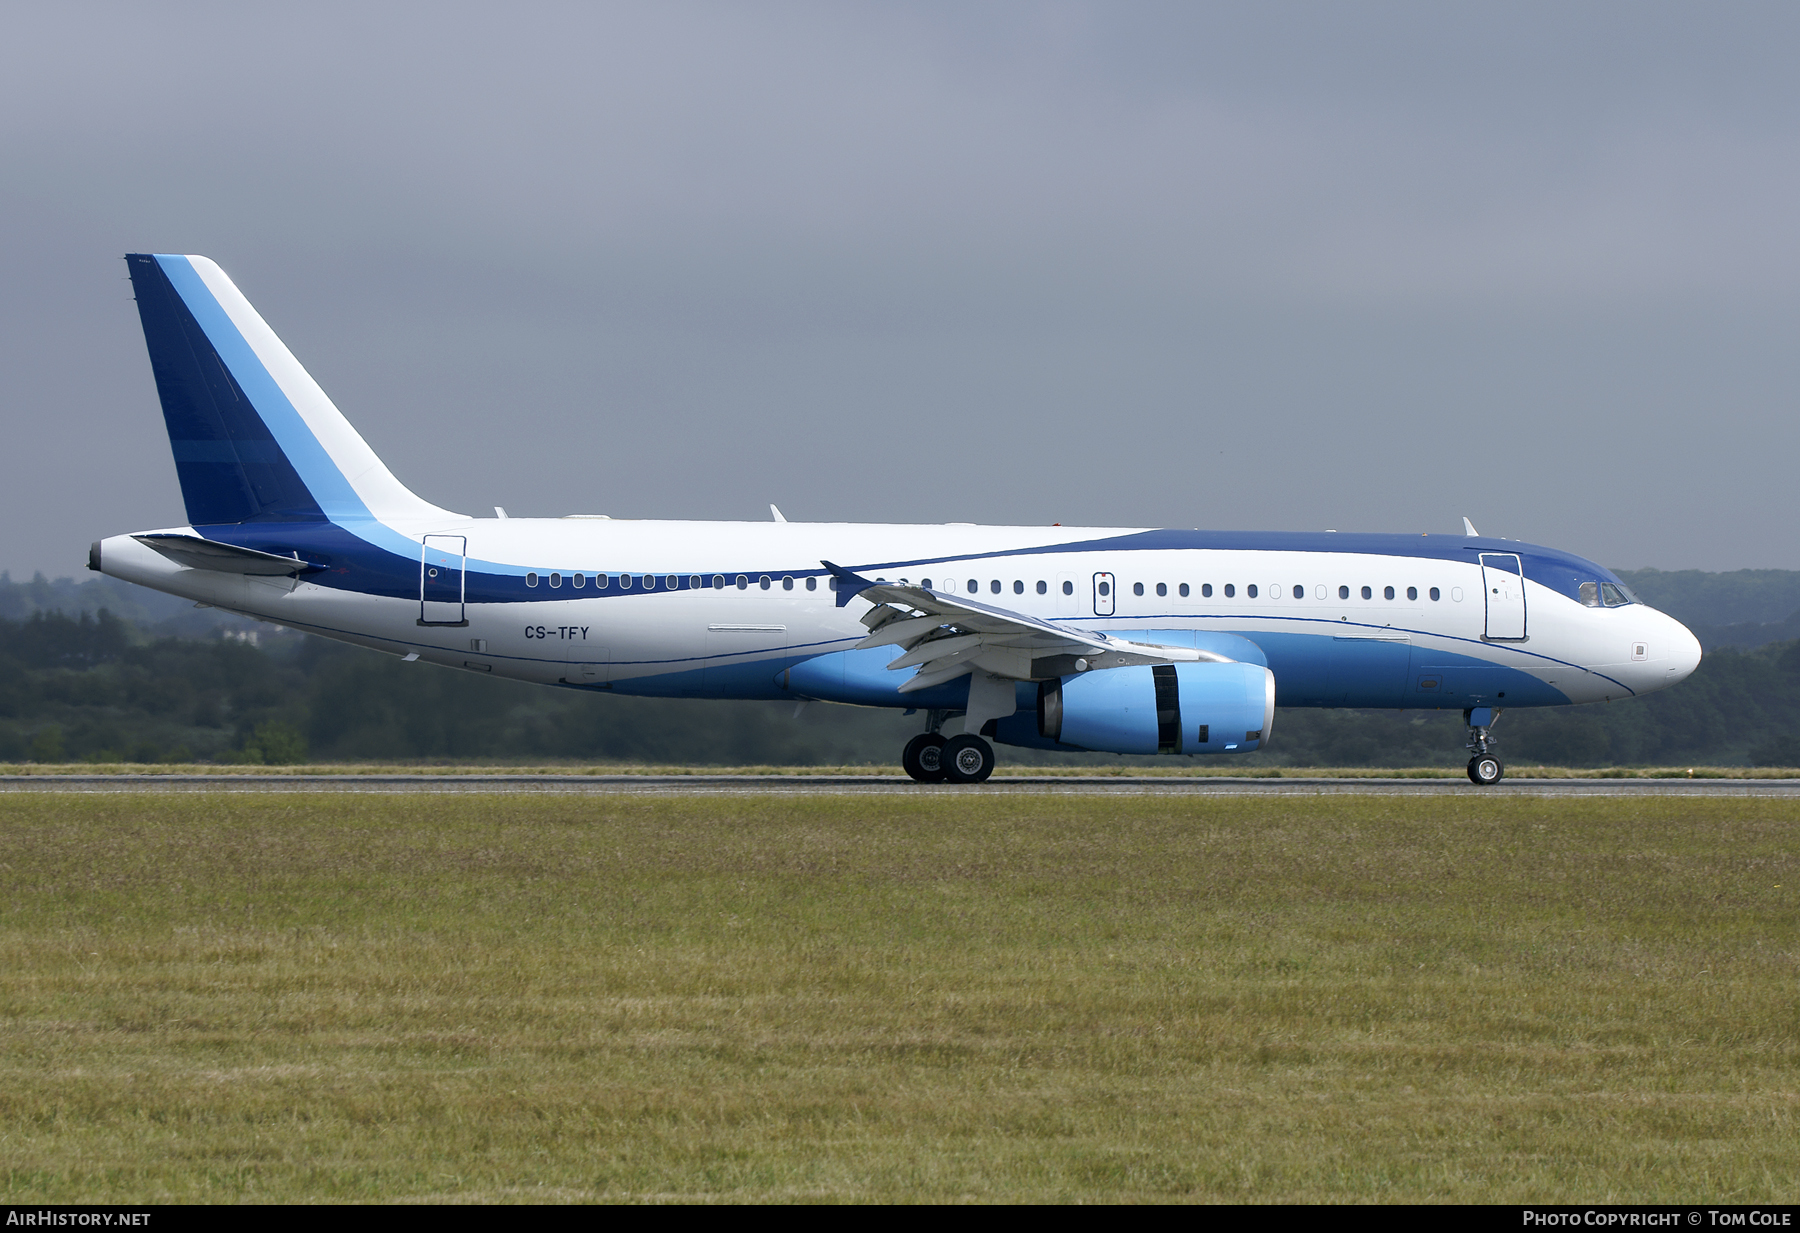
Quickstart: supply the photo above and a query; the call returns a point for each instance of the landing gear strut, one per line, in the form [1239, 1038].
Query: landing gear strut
[1485, 767]
[923, 757]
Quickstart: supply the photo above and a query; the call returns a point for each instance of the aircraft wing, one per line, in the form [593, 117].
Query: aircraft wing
[945, 636]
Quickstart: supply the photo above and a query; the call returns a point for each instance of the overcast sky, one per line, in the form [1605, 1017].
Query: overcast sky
[1354, 266]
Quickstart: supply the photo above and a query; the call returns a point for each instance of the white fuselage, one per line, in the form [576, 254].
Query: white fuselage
[647, 636]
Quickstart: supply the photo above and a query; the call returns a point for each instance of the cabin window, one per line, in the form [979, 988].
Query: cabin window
[1043, 587]
[555, 580]
[763, 582]
[1434, 595]
[672, 582]
[599, 582]
[1230, 590]
[1299, 592]
[1412, 592]
[578, 581]
[926, 583]
[1184, 590]
[1068, 588]
[1387, 592]
[743, 582]
[1250, 591]
[1367, 594]
[530, 580]
[787, 583]
[1137, 588]
[1206, 590]
[1018, 587]
[718, 582]
[994, 586]
[1343, 592]
[974, 586]
[1106, 588]
[1162, 588]
[625, 582]
[812, 584]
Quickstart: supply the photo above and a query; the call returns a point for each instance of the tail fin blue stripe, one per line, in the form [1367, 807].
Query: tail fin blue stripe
[242, 450]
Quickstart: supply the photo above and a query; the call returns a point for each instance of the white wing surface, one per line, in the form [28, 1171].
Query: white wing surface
[945, 636]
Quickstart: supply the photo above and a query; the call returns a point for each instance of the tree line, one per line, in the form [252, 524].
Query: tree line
[100, 688]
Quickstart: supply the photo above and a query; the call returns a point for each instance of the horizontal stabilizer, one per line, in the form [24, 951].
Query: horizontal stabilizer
[197, 553]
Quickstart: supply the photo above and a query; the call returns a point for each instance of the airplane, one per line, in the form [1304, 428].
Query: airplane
[1112, 640]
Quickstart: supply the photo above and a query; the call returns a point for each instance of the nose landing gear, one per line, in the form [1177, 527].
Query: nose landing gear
[1485, 767]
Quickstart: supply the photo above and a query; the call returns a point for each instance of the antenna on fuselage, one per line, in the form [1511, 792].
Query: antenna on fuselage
[1469, 528]
[776, 512]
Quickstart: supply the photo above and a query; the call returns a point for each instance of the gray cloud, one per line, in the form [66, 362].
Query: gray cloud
[1364, 267]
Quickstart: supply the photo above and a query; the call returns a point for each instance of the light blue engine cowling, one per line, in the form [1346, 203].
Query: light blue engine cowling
[1175, 708]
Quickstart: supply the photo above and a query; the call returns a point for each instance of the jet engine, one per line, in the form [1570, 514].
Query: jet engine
[1202, 708]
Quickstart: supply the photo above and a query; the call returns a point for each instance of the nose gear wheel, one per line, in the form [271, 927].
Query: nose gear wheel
[1485, 770]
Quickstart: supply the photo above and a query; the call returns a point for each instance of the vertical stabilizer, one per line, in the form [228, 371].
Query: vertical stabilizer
[254, 436]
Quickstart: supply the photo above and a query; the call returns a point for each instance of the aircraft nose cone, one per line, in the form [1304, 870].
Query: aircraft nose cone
[1684, 651]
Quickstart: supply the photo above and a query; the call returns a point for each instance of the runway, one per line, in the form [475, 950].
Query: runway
[878, 785]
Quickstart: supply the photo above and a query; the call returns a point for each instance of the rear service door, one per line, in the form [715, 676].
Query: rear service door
[1503, 586]
[441, 562]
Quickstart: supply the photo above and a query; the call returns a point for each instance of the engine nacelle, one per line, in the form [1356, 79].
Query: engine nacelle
[1169, 708]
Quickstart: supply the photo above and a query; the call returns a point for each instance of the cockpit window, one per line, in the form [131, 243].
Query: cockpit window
[1590, 594]
[1615, 596]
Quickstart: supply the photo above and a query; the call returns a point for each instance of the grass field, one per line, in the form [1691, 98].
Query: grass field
[227, 997]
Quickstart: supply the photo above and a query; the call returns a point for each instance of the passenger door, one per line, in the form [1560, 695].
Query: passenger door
[1503, 586]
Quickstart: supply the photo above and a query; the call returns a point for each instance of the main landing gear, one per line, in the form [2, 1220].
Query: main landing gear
[929, 758]
[923, 758]
[1485, 767]
[967, 759]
